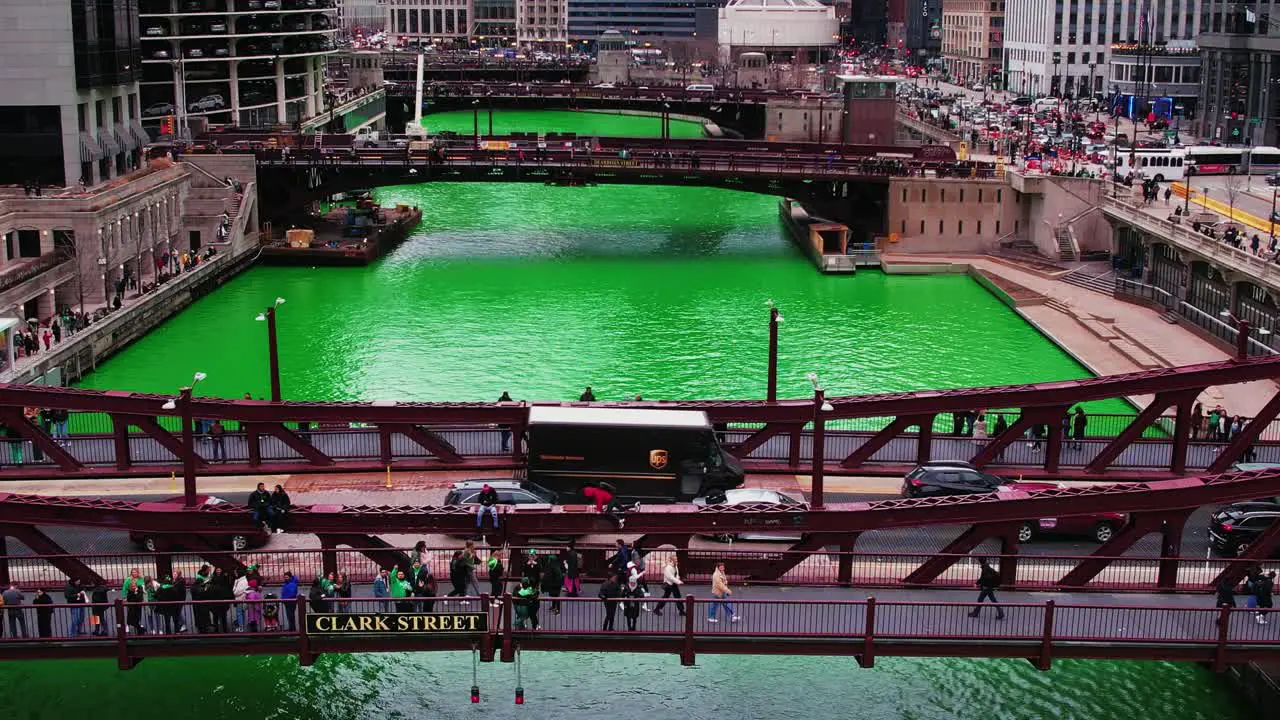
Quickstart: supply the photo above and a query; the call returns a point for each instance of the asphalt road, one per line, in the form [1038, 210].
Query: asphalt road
[911, 540]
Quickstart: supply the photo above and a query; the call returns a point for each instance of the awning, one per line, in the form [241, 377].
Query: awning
[107, 138]
[140, 134]
[89, 148]
[124, 138]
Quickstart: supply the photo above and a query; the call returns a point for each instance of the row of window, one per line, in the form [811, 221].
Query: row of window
[942, 229]
[1126, 72]
[957, 197]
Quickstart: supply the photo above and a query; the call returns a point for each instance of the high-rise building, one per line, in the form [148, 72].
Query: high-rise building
[494, 22]
[1240, 86]
[924, 28]
[642, 20]
[249, 62]
[543, 24]
[973, 41]
[69, 104]
[1062, 47]
[868, 22]
[422, 22]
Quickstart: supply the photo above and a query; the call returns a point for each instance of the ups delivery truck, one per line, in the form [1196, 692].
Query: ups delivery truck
[641, 455]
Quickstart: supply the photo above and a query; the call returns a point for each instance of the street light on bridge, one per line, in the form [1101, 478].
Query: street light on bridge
[775, 319]
[273, 349]
[820, 406]
[1242, 333]
[183, 405]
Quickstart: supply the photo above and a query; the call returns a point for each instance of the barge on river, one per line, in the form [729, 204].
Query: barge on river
[345, 236]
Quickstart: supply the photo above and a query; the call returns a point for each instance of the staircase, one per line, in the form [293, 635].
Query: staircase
[1104, 284]
[1066, 249]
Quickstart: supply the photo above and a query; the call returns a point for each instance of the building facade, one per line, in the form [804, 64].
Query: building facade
[1240, 79]
[543, 25]
[429, 22]
[367, 15]
[494, 23]
[973, 41]
[803, 30]
[642, 20]
[924, 28]
[1060, 47]
[230, 62]
[69, 97]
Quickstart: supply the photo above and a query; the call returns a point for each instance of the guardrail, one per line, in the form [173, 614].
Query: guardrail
[1205, 321]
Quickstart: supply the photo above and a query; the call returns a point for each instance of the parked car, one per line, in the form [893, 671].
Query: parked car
[756, 496]
[207, 103]
[1100, 526]
[161, 542]
[510, 492]
[1234, 527]
[948, 477]
[1273, 179]
[163, 108]
[154, 31]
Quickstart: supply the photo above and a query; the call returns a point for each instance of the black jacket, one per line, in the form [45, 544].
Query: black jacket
[488, 498]
[990, 578]
[280, 500]
[259, 500]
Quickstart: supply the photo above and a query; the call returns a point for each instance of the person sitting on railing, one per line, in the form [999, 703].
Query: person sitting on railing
[280, 504]
[260, 505]
[488, 499]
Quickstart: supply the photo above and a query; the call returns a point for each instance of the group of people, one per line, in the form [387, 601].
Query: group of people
[974, 424]
[1258, 587]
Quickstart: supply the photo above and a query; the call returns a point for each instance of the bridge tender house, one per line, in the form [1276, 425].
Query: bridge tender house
[397, 623]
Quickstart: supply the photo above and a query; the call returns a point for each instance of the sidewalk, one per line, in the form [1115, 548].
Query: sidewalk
[1173, 345]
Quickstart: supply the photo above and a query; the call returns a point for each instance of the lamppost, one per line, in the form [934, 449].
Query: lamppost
[183, 406]
[475, 122]
[1054, 88]
[489, 95]
[1186, 199]
[1242, 333]
[775, 319]
[273, 352]
[1092, 66]
[1274, 191]
[820, 406]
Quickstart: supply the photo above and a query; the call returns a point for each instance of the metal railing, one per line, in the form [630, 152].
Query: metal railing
[758, 567]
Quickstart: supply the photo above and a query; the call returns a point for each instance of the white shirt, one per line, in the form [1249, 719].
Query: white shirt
[240, 588]
[671, 575]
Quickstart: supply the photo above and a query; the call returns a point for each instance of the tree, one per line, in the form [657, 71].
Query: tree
[1233, 186]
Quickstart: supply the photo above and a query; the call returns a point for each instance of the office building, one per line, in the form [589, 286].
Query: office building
[69, 105]
[368, 16]
[973, 41]
[543, 25]
[249, 62]
[494, 23]
[1061, 47]
[924, 29]
[802, 30]
[434, 22]
[642, 21]
[1240, 83]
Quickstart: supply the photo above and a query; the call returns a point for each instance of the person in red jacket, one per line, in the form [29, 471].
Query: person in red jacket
[604, 500]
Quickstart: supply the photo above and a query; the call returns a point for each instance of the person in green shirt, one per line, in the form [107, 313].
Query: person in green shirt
[400, 590]
[134, 579]
[526, 602]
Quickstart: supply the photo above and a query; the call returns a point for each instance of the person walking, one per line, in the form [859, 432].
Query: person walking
[720, 594]
[638, 555]
[458, 576]
[98, 598]
[134, 596]
[505, 430]
[1079, 421]
[671, 583]
[526, 602]
[980, 430]
[988, 581]
[1263, 588]
[572, 561]
[494, 566]
[609, 594]
[1225, 595]
[217, 436]
[13, 612]
[553, 580]
[632, 599]
[74, 595]
[587, 395]
[239, 589]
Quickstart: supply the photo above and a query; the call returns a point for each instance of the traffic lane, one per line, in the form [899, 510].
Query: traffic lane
[1253, 195]
[1195, 541]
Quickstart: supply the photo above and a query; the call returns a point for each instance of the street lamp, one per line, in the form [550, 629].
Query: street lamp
[273, 352]
[475, 122]
[775, 319]
[820, 406]
[1242, 333]
[183, 405]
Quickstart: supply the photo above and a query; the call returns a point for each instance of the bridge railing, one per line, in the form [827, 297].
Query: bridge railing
[758, 567]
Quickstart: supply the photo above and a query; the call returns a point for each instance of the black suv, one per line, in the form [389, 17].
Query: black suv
[1234, 527]
[948, 477]
[510, 492]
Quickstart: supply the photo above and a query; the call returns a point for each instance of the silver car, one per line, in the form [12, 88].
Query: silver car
[757, 496]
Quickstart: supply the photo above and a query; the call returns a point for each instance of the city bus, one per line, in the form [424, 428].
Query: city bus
[1159, 164]
[1213, 160]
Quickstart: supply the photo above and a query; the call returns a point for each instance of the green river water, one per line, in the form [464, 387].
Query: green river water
[539, 291]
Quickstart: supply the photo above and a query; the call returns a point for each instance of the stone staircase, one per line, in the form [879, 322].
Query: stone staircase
[1104, 283]
[1066, 249]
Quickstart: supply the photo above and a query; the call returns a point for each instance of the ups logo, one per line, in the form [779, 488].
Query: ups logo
[658, 459]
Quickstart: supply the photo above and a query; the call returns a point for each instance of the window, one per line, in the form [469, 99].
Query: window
[979, 227]
[999, 195]
[904, 227]
[921, 227]
[942, 195]
[997, 227]
[940, 228]
[924, 195]
[960, 227]
[904, 194]
[193, 236]
[961, 194]
[979, 194]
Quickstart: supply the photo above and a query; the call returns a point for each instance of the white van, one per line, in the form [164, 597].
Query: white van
[701, 87]
[1046, 104]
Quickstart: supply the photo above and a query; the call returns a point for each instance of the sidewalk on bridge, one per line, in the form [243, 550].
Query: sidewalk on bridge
[1171, 345]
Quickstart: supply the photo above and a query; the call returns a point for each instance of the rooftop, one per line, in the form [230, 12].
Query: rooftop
[778, 4]
[628, 417]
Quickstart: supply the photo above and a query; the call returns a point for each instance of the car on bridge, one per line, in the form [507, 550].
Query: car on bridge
[161, 542]
[756, 496]
[510, 492]
[1233, 528]
[957, 477]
